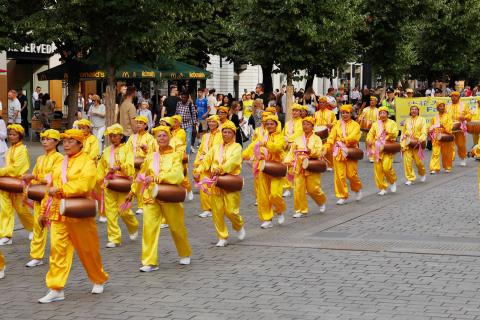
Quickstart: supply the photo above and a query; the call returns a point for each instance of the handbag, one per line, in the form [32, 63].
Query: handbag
[244, 136]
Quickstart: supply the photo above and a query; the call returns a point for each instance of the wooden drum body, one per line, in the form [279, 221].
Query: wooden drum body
[138, 162]
[314, 165]
[274, 169]
[473, 127]
[119, 184]
[456, 127]
[79, 208]
[230, 182]
[169, 193]
[445, 137]
[353, 154]
[366, 125]
[36, 192]
[391, 147]
[413, 143]
[322, 132]
[185, 158]
[11, 184]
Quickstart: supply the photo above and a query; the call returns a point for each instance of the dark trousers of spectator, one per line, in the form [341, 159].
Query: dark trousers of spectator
[25, 122]
[281, 118]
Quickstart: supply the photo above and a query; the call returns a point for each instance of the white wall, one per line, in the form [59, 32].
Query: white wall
[248, 78]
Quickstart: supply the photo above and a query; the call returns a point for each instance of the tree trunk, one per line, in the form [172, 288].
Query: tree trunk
[444, 84]
[288, 115]
[267, 78]
[110, 93]
[73, 84]
[311, 77]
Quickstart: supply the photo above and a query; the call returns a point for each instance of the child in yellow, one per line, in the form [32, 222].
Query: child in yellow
[326, 118]
[370, 113]
[414, 127]
[182, 135]
[442, 123]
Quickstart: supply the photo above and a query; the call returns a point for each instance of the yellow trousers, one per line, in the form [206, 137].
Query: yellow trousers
[113, 200]
[461, 143]
[82, 237]
[287, 185]
[226, 204]
[313, 185]
[329, 159]
[98, 192]
[9, 204]
[444, 149]
[269, 195]
[186, 184]
[365, 134]
[409, 156]
[205, 198]
[346, 169]
[475, 138]
[383, 169]
[2, 261]
[138, 196]
[152, 217]
[37, 246]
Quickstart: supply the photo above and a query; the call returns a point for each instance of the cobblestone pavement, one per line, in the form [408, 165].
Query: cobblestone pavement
[409, 255]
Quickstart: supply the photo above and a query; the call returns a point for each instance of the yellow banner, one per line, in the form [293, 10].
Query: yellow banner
[428, 107]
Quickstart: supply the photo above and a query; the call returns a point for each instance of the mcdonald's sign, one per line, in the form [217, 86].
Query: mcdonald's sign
[126, 75]
[134, 74]
[173, 75]
[43, 77]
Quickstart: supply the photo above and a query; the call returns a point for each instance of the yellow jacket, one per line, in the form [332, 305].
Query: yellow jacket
[123, 157]
[17, 162]
[231, 159]
[81, 179]
[453, 110]
[370, 114]
[214, 138]
[91, 147]
[323, 117]
[314, 143]
[260, 131]
[45, 164]
[419, 128]
[144, 138]
[180, 134]
[389, 126]
[275, 145]
[177, 145]
[446, 121]
[352, 132]
[297, 130]
[476, 114]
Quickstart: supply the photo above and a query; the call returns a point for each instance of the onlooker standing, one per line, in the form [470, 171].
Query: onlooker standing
[212, 102]
[332, 102]
[144, 111]
[310, 100]
[170, 104]
[258, 108]
[14, 107]
[233, 116]
[226, 102]
[128, 113]
[259, 89]
[89, 101]
[78, 117]
[203, 110]
[35, 96]
[47, 106]
[430, 92]
[119, 101]
[476, 90]
[219, 100]
[81, 103]
[24, 111]
[355, 95]
[157, 110]
[186, 110]
[97, 119]
[418, 93]
[365, 100]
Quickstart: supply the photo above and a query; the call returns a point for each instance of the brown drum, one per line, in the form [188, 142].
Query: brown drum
[185, 171]
[314, 165]
[11, 184]
[366, 125]
[456, 127]
[79, 208]
[413, 143]
[36, 192]
[445, 137]
[119, 184]
[391, 147]
[273, 168]
[353, 154]
[185, 158]
[138, 162]
[473, 127]
[169, 193]
[230, 182]
[322, 132]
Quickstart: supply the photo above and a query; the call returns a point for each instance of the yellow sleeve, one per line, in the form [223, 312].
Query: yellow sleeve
[423, 128]
[207, 162]
[316, 151]
[353, 137]
[333, 117]
[477, 151]
[102, 165]
[128, 167]
[34, 171]
[392, 131]
[248, 152]
[201, 150]
[175, 174]
[277, 146]
[331, 139]
[234, 160]
[152, 144]
[182, 135]
[467, 113]
[372, 133]
[297, 131]
[19, 167]
[448, 125]
[94, 151]
[289, 157]
[80, 187]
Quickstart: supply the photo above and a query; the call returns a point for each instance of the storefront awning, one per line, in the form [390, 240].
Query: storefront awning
[175, 70]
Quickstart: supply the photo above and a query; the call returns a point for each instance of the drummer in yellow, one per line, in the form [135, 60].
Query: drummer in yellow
[270, 188]
[17, 163]
[442, 123]
[163, 166]
[345, 133]
[90, 145]
[222, 113]
[292, 130]
[71, 234]
[459, 111]
[326, 118]
[43, 168]
[476, 118]
[224, 158]
[2, 265]
[370, 113]
[122, 165]
[209, 140]
[309, 146]
[383, 166]
[304, 112]
[414, 127]
[182, 135]
[142, 143]
[475, 152]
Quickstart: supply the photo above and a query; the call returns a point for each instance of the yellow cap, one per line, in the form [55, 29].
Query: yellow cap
[271, 110]
[296, 106]
[73, 134]
[214, 118]
[229, 125]
[309, 119]
[266, 114]
[322, 98]
[168, 120]
[50, 133]
[115, 129]
[271, 118]
[84, 122]
[142, 119]
[409, 91]
[415, 105]
[455, 93]
[223, 109]
[373, 97]
[162, 128]
[177, 117]
[346, 107]
[443, 102]
[384, 109]
[17, 128]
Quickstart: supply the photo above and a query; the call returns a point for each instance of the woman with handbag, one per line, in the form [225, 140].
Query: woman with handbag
[233, 116]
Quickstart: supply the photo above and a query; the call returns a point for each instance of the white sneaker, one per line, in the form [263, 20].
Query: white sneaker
[267, 224]
[53, 295]
[342, 201]
[462, 163]
[409, 183]
[190, 196]
[222, 243]
[287, 193]
[185, 261]
[329, 169]
[422, 178]
[298, 215]
[164, 225]
[382, 192]
[2, 273]
[192, 151]
[5, 241]
[98, 288]
[34, 263]
[393, 187]
[358, 195]
[112, 245]
[30, 236]
[148, 268]
[139, 211]
[280, 218]
[433, 172]
[447, 171]
[255, 202]
[321, 208]
[205, 214]
[133, 236]
[102, 219]
[241, 234]
[371, 160]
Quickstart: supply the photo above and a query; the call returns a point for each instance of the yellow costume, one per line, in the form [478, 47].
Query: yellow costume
[475, 116]
[440, 147]
[322, 118]
[2, 261]
[370, 113]
[291, 131]
[454, 111]
[182, 136]
[476, 152]
[419, 131]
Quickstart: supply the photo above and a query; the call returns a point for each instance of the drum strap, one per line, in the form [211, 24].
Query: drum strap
[338, 144]
[290, 177]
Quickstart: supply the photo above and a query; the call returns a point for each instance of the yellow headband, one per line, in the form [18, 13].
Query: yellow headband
[373, 97]
[271, 110]
[296, 106]
[265, 114]
[271, 118]
[73, 134]
[442, 102]
[50, 133]
[162, 128]
[229, 125]
[214, 118]
[309, 119]
[177, 117]
[223, 109]
[17, 128]
[142, 119]
[322, 99]
[84, 122]
[346, 107]
[305, 108]
[115, 129]
[415, 105]
[383, 109]
[455, 93]
[168, 120]
[409, 91]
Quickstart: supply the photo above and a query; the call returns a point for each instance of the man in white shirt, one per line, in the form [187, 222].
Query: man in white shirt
[284, 102]
[332, 102]
[430, 92]
[212, 102]
[35, 96]
[14, 108]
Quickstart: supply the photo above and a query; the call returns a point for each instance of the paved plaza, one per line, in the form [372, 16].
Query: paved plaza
[414, 254]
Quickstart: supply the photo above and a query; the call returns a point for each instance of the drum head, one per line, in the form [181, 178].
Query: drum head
[305, 164]
[320, 128]
[154, 190]
[407, 141]
[261, 166]
[344, 154]
[382, 147]
[106, 183]
[26, 189]
[62, 207]
[439, 136]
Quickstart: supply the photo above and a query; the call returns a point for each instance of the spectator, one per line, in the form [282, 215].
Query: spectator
[430, 92]
[355, 95]
[128, 113]
[144, 111]
[476, 90]
[272, 101]
[365, 99]
[157, 110]
[231, 98]
[259, 89]
[409, 93]
[35, 96]
[219, 100]
[310, 100]
[390, 103]
[205, 93]
[24, 111]
[300, 98]
[226, 102]
[119, 101]
[78, 117]
[14, 107]
[467, 91]
[47, 106]
[97, 119]
[233, 116]
[212, 102]
[257, 113]
[89, 101]
[81, 103]
[203, 110]
[332, 102]
[170, 104]
[449, 90]
[379, 93]
[418, 93]
[438, 92]
[186, 110]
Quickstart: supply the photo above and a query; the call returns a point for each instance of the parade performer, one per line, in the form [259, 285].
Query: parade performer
[345, 134]
[476, 117]
[414, 127]
[118, 160]
[2, 265]
[222, 113]
[17, 163]
[291, 131]
[327, 118]
[307, 146]
[90, 145]
[162, 166]
[209, 140]
[43, 168]
[73, 177]
[142, 143]
[383, 130]
[459, 112]
[370, 113]
[182, 135]
[270, 147]
[442, 123]
[304, 112]
[224, 158]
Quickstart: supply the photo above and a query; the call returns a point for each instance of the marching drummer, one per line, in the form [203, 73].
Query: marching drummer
[209, 140]
[291, 131]
[459, 112]
[383, 160]
[122, 165]
[182, 135]
[43, 168]
[370, 114]
[326, 118]
[72, 178]
[222, 113]
[224, 158]
[270, 188]
[307, 146]
[476, 118]
[414, 127]
[162, 166]
[345, 134]
[17, 163]
[304, 112]
[90, 146]
[442, 123]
